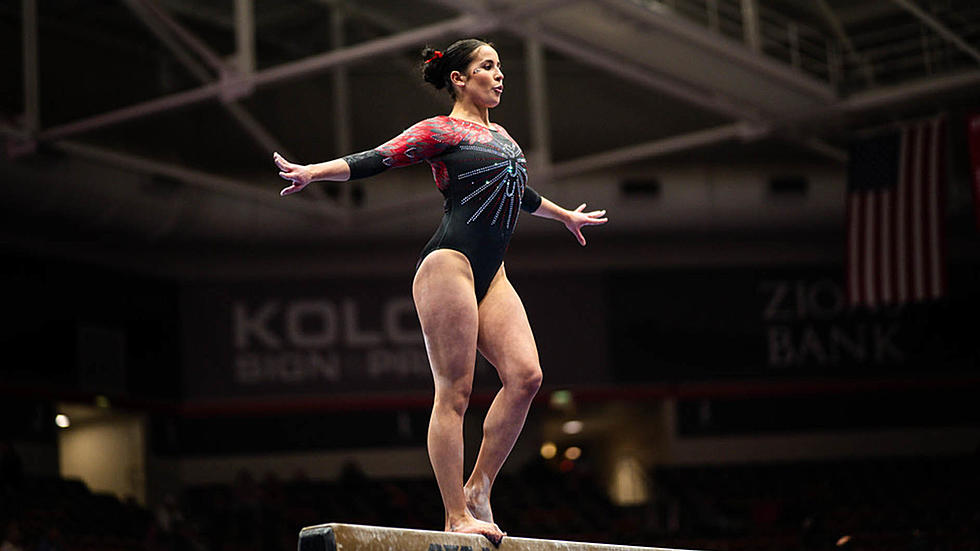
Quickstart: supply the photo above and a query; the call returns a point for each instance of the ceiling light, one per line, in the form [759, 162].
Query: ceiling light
[548, 450]
[62, 420]
[572, 427]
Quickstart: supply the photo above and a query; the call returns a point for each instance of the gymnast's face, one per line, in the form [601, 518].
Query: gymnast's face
[483, 82]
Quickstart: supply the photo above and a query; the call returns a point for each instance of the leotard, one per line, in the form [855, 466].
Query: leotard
[482, 175]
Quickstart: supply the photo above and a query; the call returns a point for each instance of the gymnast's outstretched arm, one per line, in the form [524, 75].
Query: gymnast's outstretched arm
[336, 170]
[421, 141]
[572, 219]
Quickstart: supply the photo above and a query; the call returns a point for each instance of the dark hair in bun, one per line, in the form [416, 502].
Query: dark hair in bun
[436, 68]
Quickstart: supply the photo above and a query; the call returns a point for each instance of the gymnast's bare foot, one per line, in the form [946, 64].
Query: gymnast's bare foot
[478, 504]
[470, 525]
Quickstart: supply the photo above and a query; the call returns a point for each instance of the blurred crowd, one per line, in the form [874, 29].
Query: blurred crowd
[914, 504]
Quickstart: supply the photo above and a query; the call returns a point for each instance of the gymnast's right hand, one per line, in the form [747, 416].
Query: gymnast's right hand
[299, 175]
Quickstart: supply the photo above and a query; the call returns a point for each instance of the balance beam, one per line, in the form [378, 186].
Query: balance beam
[354, 537]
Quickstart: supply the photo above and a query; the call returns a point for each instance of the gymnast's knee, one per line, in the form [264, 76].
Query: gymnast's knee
[526, 380]
[455, 395]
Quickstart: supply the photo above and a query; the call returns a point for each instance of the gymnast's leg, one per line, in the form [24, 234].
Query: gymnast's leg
[505, 339]
[444, 299]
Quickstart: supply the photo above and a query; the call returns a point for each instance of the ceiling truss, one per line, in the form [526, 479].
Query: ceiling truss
[227, 81]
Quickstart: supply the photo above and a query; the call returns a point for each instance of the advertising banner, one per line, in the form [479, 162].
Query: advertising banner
[362, 337]
[756, 323]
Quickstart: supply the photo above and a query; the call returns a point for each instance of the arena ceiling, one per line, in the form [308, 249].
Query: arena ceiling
[197, 93]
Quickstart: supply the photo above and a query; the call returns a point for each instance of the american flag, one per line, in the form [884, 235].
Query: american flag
[895, 216]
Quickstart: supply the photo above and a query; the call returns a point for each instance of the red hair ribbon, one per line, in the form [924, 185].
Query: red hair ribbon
[435, 55]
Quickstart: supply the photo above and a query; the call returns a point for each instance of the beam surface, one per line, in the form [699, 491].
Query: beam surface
[353, 537]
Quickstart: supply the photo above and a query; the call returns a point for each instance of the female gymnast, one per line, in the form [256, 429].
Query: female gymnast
[464, 301]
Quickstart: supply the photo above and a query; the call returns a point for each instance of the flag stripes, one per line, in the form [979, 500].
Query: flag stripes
[895, 217]
[973, 131]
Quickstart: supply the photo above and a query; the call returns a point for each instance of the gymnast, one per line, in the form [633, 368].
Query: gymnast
[464, 300]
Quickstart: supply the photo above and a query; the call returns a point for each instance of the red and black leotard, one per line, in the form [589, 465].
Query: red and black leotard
[482, 174]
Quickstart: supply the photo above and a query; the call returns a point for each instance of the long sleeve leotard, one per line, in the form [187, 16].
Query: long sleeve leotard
[482, 175]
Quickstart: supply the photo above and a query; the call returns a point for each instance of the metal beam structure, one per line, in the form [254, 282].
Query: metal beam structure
[609, 63]
[871, 100]
[612, 64]
[746, 57]
[910, 91]
[937, 26]
[838, 27]
[751, 122]
[213, 182]
[133, 112]
[725, 106]
[32, 103]
[341, 84]
[245, 35]
[162, 25]
[131, 162]
[647, 150]
[162, 22]
[13, 131]
[824, 149]
[376, 16]
[748, 115]
[465, 24]
[165, 29]
[188, 38]
[341, 96]
[714, 22]
[538, 107]
[750, 25]
[160, 31]
[272, 75]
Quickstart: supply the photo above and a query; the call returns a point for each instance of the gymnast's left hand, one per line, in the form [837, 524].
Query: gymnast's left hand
[299, 175]
[576, 219]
